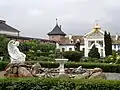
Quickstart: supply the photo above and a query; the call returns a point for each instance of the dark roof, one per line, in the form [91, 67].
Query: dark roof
[29, 38]
[5, 27]
[57, 31]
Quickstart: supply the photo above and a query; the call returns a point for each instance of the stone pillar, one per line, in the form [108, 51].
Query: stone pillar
[86, 47]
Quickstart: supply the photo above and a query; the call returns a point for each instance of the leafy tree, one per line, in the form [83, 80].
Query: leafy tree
[3, 46]
[94, 52]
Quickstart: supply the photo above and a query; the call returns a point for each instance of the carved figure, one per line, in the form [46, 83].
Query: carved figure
[15, 55]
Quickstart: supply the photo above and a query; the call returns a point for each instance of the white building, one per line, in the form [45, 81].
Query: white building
[94, 37]
[116, 43]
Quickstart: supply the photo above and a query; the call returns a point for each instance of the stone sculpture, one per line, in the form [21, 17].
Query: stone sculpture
[15, 55]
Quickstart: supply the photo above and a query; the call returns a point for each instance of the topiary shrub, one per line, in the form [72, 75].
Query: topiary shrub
[73, 55]
[94, 52]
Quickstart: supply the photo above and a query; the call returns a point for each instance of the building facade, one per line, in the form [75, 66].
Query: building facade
[94, 37]
[8, 30]
[13, 33]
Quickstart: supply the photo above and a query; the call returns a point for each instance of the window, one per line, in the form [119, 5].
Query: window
[70, 49]
[90, 43]
[118, 47]
[114, 46]
[101, 43]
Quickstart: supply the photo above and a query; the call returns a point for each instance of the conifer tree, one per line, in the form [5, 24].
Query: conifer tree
[94, 52]
[108, 44]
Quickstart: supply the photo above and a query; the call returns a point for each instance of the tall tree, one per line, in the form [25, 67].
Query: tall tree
[108, 44]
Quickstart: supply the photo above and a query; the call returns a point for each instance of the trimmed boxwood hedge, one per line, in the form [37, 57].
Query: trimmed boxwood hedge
[104, 66]
[57, 84]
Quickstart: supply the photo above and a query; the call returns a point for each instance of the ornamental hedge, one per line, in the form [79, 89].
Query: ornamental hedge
[104, 66]
[73, 55]
[57, 84]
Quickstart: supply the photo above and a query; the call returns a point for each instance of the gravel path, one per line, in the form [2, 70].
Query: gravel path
[112, 76]
[2, 74]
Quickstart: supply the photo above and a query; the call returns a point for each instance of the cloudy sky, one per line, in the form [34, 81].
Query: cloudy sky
[36, 18]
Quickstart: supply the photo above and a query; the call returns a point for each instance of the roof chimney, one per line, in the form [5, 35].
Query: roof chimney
[70, 36]
[116, 36]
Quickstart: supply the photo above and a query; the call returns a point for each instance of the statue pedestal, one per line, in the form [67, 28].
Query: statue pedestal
[61, 62]
[17, 70]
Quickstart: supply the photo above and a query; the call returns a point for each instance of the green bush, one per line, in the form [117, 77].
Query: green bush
[94, 52]
[117, 59]
[46, 54]
[38, 56]
[42, 58]
[3, 64]
[91, 60]
[57, 84]
[73, 55]
[110, 59]
[36, 45]
[52, 56]
[104, 66]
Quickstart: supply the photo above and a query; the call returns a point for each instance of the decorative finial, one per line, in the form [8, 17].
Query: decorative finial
[96, 22]
[97, 26]
[56, 22]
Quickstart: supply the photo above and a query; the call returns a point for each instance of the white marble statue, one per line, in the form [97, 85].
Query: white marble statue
[15, 55]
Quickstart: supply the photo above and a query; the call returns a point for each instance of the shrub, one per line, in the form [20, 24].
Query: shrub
[104, 66]
[42, 58]
[3, 64]
[73, 55]
[36, 45]
[52, 56]
[91, 60]
[94, 52]
[110, 59]
[117, 59]
[57, 84]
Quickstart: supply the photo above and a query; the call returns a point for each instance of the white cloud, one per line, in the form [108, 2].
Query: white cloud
[35, 12]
